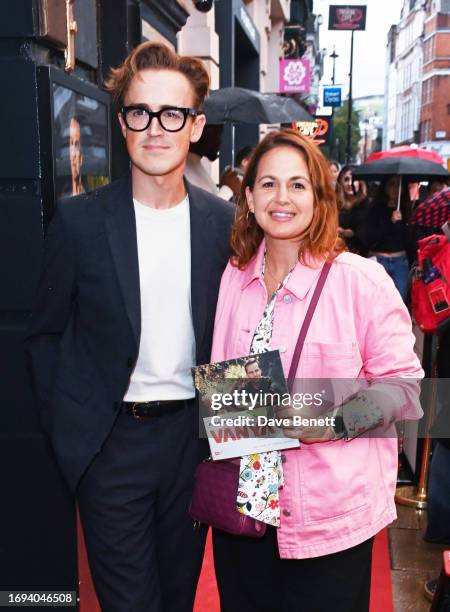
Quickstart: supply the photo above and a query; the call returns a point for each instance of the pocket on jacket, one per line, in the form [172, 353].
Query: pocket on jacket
[330, 360]
[334, 480]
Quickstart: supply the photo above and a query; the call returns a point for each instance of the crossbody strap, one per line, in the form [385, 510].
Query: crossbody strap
[306, 322]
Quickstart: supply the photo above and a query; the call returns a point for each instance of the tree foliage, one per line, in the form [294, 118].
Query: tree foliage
[340, 133]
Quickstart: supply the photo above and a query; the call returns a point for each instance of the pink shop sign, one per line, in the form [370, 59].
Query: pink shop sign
[295, 76]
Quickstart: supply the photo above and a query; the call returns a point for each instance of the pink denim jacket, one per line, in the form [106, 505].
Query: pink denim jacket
[337, 494]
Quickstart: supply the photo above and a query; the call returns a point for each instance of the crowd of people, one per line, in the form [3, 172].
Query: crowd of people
[375, 223]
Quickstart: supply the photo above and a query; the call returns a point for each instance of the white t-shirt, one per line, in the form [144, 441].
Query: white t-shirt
[167, 345]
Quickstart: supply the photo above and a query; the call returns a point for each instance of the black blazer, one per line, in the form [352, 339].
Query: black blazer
[84, 335]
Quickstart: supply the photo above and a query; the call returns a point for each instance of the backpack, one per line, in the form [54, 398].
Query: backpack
[430, 290]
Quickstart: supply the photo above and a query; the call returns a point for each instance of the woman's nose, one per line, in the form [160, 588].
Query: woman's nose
[282, 194]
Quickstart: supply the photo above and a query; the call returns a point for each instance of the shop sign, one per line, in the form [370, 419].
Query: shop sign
[318, 131]
[332, 96]
[295, 76]
[345, 17]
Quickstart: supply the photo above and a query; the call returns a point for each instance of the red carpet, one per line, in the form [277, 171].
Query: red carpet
[381, 591]
[207, 599]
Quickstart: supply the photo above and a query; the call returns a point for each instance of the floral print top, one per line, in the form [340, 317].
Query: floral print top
[261, 474]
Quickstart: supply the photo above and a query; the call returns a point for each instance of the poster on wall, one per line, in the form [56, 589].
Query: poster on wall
[81, 142]
[75, 142]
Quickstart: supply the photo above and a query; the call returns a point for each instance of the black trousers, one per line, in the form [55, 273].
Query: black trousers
[143, 552]
[252, 577]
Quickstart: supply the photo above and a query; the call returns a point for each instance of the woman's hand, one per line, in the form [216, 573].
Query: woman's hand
[308, 434]
[396, 216]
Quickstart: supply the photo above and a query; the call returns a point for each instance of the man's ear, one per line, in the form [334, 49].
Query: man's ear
[249, 196]
[123, 126]
[197, 128]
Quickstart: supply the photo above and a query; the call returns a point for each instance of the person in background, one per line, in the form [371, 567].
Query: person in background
[386, 232]
[324, 502]
[208, 146]
[436, 186]
[335, 168]
[230, 182]
[351, 197]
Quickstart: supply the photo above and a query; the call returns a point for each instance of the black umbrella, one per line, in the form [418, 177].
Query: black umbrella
[240, 105]
[409, 168]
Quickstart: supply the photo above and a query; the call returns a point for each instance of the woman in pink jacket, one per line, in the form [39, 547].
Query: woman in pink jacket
[333, 495]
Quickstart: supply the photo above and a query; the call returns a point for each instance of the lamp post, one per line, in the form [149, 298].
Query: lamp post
[348, 154]
[334, 57]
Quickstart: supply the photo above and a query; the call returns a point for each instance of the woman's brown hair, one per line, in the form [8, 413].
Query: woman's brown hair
[157, 56]
[342, 199]
[320, 239]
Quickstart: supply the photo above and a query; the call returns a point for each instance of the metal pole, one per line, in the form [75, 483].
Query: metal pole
[334, 55]
[350, 103]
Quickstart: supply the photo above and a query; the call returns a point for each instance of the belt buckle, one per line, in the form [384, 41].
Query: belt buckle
[133, 411]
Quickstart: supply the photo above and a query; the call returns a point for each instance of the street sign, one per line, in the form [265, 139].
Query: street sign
[347, 17]
[295, 76]
[332, 96]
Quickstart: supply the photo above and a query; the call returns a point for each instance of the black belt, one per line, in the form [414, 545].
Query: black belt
[146, 410]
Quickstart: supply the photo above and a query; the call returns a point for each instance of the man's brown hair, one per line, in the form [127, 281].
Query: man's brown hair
[320, 239]
[157, 56]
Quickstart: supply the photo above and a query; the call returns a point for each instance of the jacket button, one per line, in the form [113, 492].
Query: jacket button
[129, 362]
[287, 298]
[286, 512]
[283, 458]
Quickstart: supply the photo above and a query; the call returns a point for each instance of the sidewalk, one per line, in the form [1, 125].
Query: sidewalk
[412, 560]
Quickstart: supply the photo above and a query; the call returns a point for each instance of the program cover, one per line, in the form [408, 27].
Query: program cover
[238, 405]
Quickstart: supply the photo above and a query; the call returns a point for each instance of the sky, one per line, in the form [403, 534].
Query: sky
[369, 47]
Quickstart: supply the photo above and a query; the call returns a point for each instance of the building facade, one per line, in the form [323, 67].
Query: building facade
[404, 75]
[370, 110]
[390, 90]
[435, 106]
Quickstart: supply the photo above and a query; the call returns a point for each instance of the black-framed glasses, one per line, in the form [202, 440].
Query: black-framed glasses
[170, 118]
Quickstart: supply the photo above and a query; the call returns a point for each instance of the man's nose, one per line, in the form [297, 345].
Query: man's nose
[154, 128]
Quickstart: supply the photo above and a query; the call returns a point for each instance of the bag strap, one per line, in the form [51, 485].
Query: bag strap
[306, 322]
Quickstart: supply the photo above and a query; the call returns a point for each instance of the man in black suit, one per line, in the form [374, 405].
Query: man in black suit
[125, 308]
